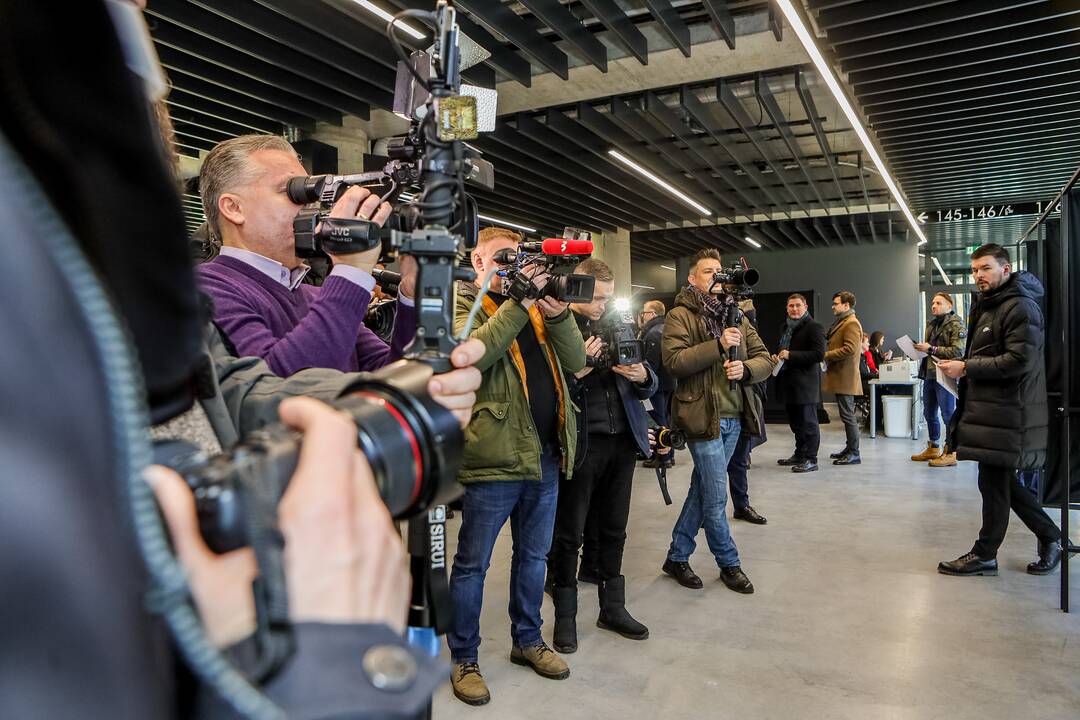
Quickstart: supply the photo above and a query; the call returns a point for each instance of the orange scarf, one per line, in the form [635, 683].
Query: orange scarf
[536, 317]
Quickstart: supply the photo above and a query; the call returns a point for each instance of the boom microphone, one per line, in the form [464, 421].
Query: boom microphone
[562, 246]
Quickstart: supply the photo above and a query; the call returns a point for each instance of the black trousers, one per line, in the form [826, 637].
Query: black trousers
[1001, 490]
[803, 421]
[603, 483]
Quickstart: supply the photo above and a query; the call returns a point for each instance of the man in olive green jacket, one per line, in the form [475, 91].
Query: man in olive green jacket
[520, 440]
[711, 413]
[842, 372]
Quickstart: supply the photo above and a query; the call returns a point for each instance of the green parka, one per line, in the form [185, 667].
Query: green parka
[500, 440]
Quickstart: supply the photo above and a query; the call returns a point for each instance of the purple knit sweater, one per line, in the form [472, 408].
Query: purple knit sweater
[308, 327]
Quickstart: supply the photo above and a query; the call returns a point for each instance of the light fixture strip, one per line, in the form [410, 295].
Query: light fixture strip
[941, 270]
[507, 223]
[668, 267]
[797, 24]
[752, 241]
[644, 287]
[387, 17]
[659, 181]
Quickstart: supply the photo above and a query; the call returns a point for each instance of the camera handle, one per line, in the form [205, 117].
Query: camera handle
[733, 316]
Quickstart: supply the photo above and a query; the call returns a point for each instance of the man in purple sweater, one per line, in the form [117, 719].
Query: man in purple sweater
[260, 303]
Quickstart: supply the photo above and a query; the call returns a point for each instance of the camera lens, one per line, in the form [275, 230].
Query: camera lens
[750, 277]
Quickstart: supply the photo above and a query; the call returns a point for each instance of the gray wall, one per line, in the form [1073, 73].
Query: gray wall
[884, 278]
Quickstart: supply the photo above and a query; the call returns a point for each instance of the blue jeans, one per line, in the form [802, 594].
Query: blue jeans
[935, 397]
[737, 468]
[706, 501]
[530, 506]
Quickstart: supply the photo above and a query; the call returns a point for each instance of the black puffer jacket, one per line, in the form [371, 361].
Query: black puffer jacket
[1001, 417]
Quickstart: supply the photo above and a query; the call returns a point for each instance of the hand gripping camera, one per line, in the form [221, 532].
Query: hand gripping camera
[621, 345]
[558, 257]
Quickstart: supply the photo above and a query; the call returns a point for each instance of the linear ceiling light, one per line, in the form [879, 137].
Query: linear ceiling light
[940, 270]
[752, 241]
[387, 17]
[643, 287]
[797, 24]
[668, 267]
[507, 223]
[662, 183]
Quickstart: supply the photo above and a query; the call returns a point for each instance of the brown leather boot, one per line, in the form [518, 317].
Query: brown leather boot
[468, 683]
[946, 459]
[542, 660]
[931, 452]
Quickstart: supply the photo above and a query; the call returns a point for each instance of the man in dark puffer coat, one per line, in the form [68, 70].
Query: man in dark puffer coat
[1001, 416]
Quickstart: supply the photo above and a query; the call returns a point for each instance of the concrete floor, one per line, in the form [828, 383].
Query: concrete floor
[850, 618]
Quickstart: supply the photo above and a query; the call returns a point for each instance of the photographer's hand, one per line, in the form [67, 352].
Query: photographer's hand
[594, 347]
[407, 287]
[552, 308]
[538, 277]
[731, 337]
[456, 390]
[360, 203]
[220, 584]
[344, 562]
[735, 369]
[634, 373]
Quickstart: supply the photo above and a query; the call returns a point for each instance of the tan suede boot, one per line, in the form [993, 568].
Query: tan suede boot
[468, 683]
[542, 660]
[947, 459]
[930, 453]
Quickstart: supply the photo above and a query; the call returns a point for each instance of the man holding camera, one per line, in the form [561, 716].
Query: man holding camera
[842, 372]
[697, 342]
[1001, 419]
[617, 429]
[260, 301]
[520, 441]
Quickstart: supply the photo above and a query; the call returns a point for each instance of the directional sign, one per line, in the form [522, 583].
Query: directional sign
[981, 212]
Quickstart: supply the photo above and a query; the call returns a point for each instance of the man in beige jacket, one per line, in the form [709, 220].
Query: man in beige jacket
[842, 371]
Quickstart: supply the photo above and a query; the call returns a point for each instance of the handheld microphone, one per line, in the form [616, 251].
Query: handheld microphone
[563, 246]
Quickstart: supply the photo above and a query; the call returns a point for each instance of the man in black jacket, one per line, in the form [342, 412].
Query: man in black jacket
[1001, 417]
[617, 429]
[798, 385]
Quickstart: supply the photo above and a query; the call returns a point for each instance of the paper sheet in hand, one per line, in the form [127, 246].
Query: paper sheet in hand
[947, 382]
[905, 344]
[776, 370]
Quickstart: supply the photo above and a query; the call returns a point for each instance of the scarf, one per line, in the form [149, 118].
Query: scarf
[712, 312]
[792, 325]
[841, 318]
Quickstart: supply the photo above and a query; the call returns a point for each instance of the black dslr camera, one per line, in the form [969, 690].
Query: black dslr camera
[737, 283]
[558, 257]
[380, 315]
[670, 438]
[621, 346]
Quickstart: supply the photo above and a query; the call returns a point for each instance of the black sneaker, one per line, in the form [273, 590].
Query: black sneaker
[969, 564]
[682, 572]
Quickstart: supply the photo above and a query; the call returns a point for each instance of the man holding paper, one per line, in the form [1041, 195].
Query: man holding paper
[944, 341]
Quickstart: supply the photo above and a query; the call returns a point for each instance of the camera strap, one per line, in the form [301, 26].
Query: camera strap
[661, 479]
[430, 606]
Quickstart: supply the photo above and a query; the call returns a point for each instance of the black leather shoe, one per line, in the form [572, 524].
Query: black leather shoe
[804, 466]
[1049, 558]
[848, 459]
[736, 580]
[750, 515]
[681, 571]
[970, 564]
[840, 454]
[787, 462]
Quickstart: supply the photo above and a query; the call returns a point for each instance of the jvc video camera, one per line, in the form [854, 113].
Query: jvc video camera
[621, 346]
[558, 257]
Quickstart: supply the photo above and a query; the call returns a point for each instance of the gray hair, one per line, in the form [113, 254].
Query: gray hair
[226, 167]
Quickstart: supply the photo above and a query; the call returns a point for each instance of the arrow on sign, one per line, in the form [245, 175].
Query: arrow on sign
[921, 218]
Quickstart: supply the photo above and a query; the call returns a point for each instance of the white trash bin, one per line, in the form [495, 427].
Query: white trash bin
[897, 412]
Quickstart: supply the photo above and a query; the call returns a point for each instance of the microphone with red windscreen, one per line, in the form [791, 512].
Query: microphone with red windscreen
[564, 246]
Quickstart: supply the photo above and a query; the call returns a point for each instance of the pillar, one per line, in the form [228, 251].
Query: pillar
[351, 141]
[614, 249]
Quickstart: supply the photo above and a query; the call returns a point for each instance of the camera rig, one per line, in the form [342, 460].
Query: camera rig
[621, 345]
[737, 283]
[558, 257]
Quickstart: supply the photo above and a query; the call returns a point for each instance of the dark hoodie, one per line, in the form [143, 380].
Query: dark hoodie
[1001, 418]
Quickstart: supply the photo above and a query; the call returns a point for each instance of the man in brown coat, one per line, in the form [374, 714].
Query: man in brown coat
[842, 371]
[712, 414]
